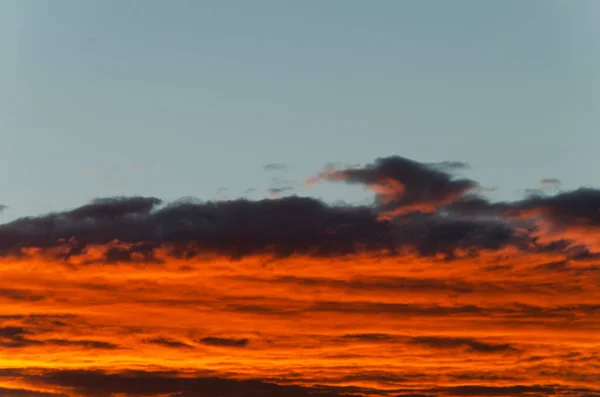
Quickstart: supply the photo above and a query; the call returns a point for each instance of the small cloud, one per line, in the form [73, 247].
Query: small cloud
[3, 207]
[168, 342]
[436, 342]
[86, 344]
[450, 165]
[549, 181]
[275, 167]
[224, 342]
[276, 192]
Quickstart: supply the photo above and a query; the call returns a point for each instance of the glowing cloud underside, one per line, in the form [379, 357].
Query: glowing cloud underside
[431, 291]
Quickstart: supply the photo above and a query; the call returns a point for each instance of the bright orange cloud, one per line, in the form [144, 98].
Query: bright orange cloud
[431, 291]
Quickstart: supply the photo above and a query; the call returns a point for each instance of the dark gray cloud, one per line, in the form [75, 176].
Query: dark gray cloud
[437, 342]
[515, 390]
[95, 383]
[550, 181]
[19, 337]
[115, 207]
[168, 342]
[275, 191]
[578, 208]
[6, 392]
[241, 227]
[83, 343]
[404, 185]
[484, 391]
[275, 167]
[224, 342]
[370, 338]
[20, 295]
[438, 214]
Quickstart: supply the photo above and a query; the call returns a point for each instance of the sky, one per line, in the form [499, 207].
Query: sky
[299, 199]
[168, 99]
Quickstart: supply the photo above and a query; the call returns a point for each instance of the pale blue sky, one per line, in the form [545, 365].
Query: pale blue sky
[183, 97]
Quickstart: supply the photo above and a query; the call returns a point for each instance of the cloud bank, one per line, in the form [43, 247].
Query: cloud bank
[431, 290]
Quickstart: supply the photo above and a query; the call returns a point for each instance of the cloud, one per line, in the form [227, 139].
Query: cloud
[224, 342]
[432, 289]
[432, 212]
[20, 295]
[484, 391]
[275, 167]
[86, 344]
[6, 392]
[19, 337]
[277, 191]
[577, 208]
[94, 383]
[402, 186]
[550, 181]
[13, 336]
[571, 215]
[437, 342]
[168, 342]
[115, 207]
[237, 228]
[3, 207]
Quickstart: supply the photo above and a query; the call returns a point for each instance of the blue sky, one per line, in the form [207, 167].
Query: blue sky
[181, 98]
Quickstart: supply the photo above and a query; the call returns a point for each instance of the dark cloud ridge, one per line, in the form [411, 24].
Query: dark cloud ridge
[436, 212]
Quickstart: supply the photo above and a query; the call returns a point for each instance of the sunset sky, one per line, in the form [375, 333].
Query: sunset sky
[299, 198]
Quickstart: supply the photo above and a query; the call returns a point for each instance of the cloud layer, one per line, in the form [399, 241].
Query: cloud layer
[432, 290]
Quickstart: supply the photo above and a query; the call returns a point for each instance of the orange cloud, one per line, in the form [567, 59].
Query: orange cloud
[451, 296]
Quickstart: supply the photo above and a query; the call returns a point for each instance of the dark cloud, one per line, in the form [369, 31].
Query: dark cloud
[19, 337]
[386, 283]
[233, 228]
[275, 167]
[94, 383]
[241, 227]
[484, 391]
[517, 312]
[449, 165]
[38, 318]
[20, 295]
[403, 186]
[276, 191]
[414, 395]
[83, 343]
[97, 383]
[434, 213]
[578, 208]
[5, 392]
[3, 207]
[224, 342]
[280, 186]
[437, 342]
[550, 181]
[168, 342]
[370, 338]
[474, 206]
[14, 337]
[517, 390]
[110, 208]
[365, 308]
